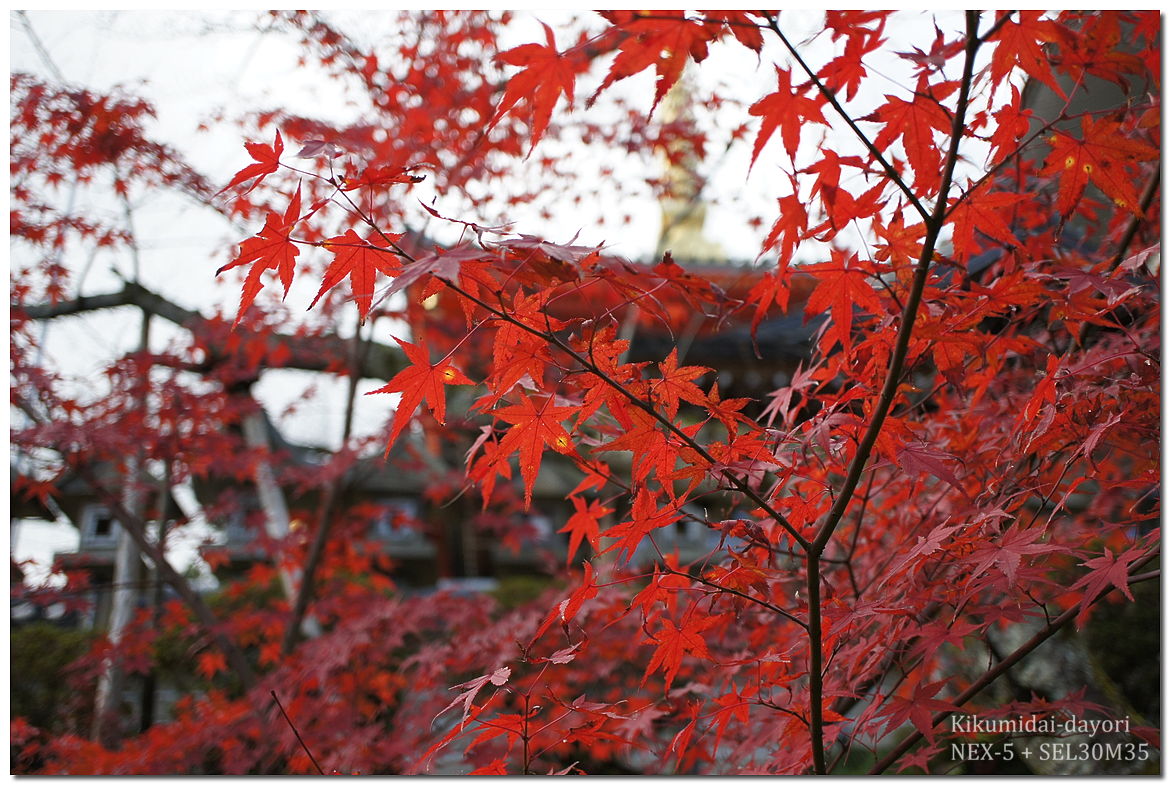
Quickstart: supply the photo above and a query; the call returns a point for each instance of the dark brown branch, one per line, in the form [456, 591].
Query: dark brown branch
[135, 527]
[934, 225]
[296, 732]
[324, 353]
[1135, 221]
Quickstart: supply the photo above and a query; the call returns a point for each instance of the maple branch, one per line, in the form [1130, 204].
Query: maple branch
[763, 603]
[816, 676]
[132, 294]
[304, 746]
[934, 225]
[646, 407]
[889, 169]
[325, 509]
[1009, 662]
[135, 527]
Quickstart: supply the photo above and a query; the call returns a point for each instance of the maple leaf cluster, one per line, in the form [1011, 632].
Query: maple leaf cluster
[963, 460]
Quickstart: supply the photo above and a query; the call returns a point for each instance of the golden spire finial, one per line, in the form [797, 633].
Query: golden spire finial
[683, 209]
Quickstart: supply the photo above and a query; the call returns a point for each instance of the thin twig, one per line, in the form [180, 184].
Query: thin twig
[297, 733]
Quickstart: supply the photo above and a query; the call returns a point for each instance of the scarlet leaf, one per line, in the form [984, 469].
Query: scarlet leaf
[272, 249]
[532, 430]
[445, 264]
[787, 109]
[267, 161]
[983, 212]
[418, 382]
[1107, 570]
[547, 75]
[566, 610]
[673, 642]
[914, 122]
[1101, 155]
[1021, 45]
[376, 175]
[584, 524]
[664, 41]
[360, 260]
[1011, 123]
[645, 517]
[790, 227]
[676, 384]
[211, 662]
[842, 286]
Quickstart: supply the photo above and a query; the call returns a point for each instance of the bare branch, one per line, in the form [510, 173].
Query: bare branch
[324, 353]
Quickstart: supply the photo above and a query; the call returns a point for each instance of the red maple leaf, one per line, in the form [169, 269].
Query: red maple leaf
[914, 122]
[770, 290]
[547, 75]
[566, 610]
[1103, 156]
[1021, 45]
[663, 41]
[790, 227]
[381, 175]
[846, 71]
[418, 382]
[787, 109]
[450, 265]
[211, 662]
[741, 25]
[1012, 121]
[267, 161]
[918, 709]
[840, 288]
[532, 430]
[360, 260]
[1107, 570]
[985, 212]
[645, 517]
[272, 249]
[674, 642]
[676, 384]
[1008, 551]
[584, 524]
